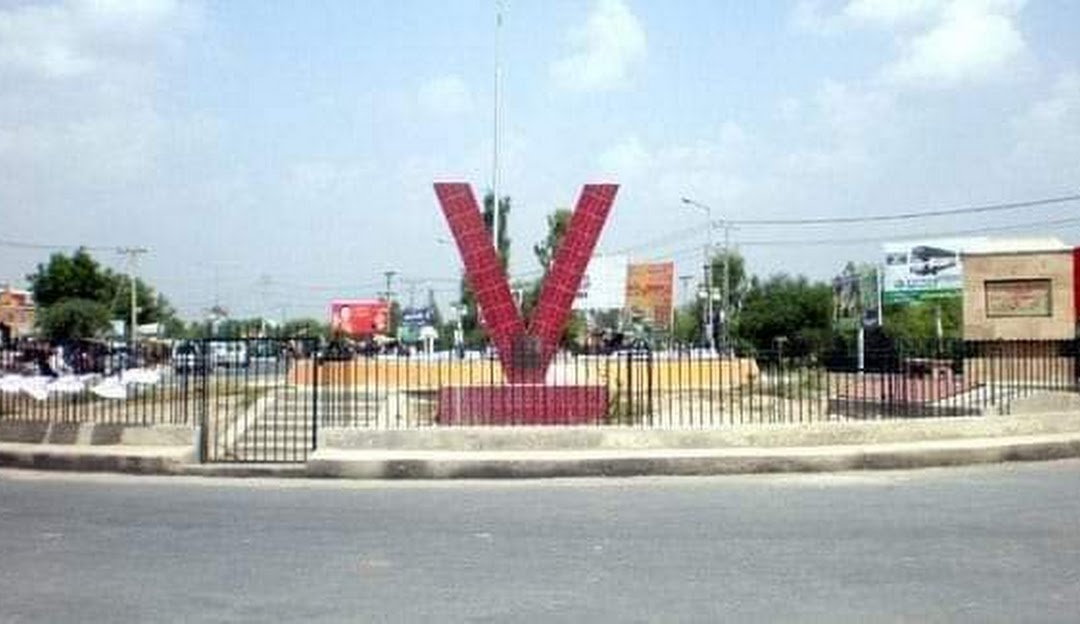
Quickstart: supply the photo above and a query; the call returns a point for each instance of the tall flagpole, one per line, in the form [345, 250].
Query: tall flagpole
[495, 148]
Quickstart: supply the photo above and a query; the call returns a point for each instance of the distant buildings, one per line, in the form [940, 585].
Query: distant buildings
[16, 313]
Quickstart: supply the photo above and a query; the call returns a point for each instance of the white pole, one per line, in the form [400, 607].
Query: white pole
[727, 286]
[861, 346]
[495, 146]
[132, 254]
[710, 310]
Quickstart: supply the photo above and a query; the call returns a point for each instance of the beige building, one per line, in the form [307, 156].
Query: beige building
[1020, 294]
[16, 313]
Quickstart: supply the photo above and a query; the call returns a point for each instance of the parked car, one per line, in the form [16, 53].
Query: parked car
[187, 357]
[336, 351]
[231, 354]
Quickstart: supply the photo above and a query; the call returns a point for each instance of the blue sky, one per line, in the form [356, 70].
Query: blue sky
[274, 156]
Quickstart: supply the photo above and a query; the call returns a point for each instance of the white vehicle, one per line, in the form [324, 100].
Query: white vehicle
[230, 354]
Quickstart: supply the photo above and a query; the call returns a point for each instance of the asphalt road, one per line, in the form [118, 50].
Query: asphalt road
[998, 543]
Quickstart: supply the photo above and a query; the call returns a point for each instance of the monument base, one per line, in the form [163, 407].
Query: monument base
[522, 404]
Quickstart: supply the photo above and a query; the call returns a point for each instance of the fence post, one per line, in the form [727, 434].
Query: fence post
[314, 399]
[202, 369]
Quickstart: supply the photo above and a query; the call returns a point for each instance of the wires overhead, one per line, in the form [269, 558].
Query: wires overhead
[51, 246]
[907, 216]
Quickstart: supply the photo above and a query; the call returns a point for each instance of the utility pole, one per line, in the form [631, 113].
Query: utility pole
[389, 294]
[726, 309]
[132, 254]
[709, 311]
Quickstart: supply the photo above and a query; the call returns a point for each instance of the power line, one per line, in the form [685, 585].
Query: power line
[47, 246]
[888, 238]
[904, 216]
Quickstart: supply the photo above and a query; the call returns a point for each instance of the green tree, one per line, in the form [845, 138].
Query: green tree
[915, 324]
[304, 328]
[792, 308]
[689, 325]
[152, 306]
[76, 277]
[72, 318]
[557, 224]
[80, 277]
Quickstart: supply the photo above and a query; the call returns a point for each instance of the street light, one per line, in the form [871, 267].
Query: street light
[709, 312]
[725, 297]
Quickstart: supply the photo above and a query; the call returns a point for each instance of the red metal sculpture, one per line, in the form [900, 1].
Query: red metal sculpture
[525, 349]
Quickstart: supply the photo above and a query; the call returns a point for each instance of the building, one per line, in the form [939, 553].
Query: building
[1021, 304]
[16, 313]
[1024, 289]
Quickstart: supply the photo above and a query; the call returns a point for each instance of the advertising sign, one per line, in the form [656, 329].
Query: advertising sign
[604, 285]
[650, 292]
[359, 317]
[925, 270]
[413, 321]
[855, 297]
[1017, 298]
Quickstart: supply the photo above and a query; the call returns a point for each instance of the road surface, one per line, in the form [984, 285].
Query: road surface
[997, 543]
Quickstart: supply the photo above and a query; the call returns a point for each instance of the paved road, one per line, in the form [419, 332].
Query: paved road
[999, 543]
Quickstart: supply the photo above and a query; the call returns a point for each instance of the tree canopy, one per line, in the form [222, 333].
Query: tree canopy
[786, 307]
[77, 297]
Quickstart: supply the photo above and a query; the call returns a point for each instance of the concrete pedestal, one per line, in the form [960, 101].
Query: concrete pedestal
[522, 404]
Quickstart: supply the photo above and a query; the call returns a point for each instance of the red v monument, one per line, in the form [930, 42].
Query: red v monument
[525, 346]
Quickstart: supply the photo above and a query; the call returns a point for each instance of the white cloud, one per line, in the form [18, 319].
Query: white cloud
[84, 38]
[843, 122]
[1047, 135]
[605, 50]
[892, 12]
[972, 42]
[626, 158]
[77, 82]
[941, 43]
[320, 177]
[712, 168]
[445, 95]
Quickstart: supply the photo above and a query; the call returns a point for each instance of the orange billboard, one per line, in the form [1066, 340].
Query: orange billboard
[650, 290]
[360, 317]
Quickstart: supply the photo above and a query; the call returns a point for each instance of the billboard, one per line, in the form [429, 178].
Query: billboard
[925, 270]
[604, 285]
[650, 292]
[856, 297]
[359, 317]
[413, 321]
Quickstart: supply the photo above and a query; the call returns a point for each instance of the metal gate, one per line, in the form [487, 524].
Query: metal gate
[256, 398]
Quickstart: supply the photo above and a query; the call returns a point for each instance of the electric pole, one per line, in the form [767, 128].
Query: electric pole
[132, 254]
[389, 293]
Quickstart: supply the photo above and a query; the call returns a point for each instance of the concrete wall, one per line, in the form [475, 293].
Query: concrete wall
[616, 373]
[1056, 266]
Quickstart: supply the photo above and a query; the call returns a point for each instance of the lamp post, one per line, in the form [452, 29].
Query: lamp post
[132, 254]
[710, 312]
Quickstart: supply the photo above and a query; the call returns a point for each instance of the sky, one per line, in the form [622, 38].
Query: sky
[273, 156]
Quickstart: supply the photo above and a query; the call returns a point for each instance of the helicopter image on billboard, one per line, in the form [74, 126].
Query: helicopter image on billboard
[928, 261]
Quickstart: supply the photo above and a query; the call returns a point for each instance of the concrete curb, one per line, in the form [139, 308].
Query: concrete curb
[358, 464]
[131, 460]
[405, 463]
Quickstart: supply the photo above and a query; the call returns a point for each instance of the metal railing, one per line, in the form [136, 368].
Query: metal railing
[263, 400]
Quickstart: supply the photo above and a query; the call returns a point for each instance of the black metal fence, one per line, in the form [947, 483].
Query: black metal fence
[261, 400]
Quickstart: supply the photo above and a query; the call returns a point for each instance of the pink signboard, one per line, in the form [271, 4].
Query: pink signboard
[359, 317]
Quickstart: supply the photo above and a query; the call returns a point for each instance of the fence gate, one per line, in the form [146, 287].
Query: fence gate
[256, 399]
